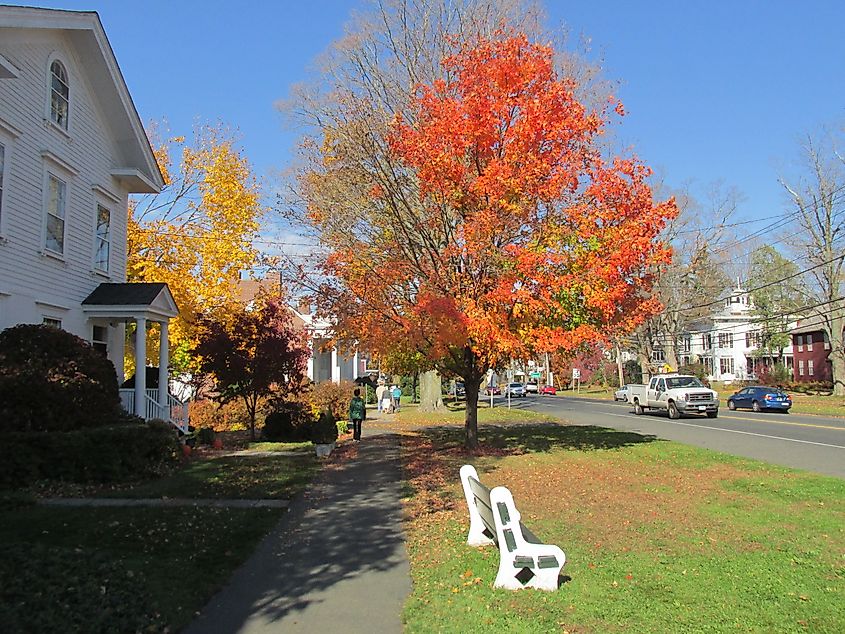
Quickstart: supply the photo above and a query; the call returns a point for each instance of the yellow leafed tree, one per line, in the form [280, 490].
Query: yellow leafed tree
[197, 233]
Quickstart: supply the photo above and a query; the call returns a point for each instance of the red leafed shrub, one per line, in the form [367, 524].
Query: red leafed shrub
[232, 416]
[51, 380]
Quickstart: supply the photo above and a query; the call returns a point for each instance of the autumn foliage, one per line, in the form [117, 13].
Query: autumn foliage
[495, 228]
[255, 354]
[196, 235]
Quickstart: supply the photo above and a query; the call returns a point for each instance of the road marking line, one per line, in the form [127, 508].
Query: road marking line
[781, 422]
[736, 431]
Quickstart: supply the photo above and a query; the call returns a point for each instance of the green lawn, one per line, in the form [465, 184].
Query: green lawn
[92, 570]
[239, 477]
[659, 537]
[118, 570]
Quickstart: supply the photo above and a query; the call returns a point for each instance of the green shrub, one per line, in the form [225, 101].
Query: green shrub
[105, 454]
[291, 423]
[51, 380]
[324, 431]
[206, 436]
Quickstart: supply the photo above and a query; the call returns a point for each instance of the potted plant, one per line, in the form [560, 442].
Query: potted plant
[324, 434]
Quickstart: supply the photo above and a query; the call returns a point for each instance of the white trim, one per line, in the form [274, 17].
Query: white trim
[7, 69]
[59, 162]
[9, 129]
[105, 193]
[134, 180]
[7, 143]
[52, 305]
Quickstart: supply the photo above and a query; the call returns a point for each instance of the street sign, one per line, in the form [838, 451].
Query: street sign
[535, 375]
[576, 373]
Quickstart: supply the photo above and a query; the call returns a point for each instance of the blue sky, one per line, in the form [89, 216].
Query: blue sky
[714, 90]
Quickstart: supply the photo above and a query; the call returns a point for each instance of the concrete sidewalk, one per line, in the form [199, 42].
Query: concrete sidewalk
[336, 561]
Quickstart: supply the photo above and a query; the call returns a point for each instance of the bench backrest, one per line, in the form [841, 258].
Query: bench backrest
[481, 497]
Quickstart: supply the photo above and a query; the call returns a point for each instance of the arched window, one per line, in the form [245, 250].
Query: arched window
[59, 94]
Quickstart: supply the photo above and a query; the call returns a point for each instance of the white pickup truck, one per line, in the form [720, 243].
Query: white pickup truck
[678, 394]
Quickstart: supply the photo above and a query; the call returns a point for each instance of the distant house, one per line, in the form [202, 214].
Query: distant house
[812, 351]
[326, 363]
[726, 343]
[72, 150]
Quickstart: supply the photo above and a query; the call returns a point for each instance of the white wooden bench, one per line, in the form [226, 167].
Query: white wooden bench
[524, 561]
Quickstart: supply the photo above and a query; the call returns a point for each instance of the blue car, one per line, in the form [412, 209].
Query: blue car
[759, 398]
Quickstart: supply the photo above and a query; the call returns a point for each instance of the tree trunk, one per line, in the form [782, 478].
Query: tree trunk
[430, 391]
[837, 354]
[472, 384]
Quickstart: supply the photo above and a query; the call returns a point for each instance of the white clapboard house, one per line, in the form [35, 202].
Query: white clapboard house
[72, 150]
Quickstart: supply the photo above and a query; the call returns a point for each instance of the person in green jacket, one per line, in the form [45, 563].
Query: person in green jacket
[357, 414]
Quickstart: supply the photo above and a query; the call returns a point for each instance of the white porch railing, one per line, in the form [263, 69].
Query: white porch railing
[176, 411]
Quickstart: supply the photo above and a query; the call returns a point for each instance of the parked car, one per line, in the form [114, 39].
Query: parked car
[493, 390]
[760, 397]
[532, 387]
[515, 389]
[621, 394]
[548, 389]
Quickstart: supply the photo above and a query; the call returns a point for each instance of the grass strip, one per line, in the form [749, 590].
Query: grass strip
[230, 477]
[659, 537]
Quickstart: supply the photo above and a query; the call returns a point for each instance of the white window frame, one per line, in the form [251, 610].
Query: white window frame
[49, 320]
[799, 342]
[809, 367]
[800, 367]
[50, 174]
[103, 270]
[810, 344]
[726, 361]
[48, 115]
[100, 344]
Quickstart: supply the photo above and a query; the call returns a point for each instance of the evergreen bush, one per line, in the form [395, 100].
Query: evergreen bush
[106, 454]
[51, 380]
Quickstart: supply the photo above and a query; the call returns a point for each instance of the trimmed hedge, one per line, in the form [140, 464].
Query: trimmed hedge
[291, 423]
[105, 455]
[51, 380]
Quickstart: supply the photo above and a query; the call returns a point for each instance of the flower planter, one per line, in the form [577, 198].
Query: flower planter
[323, 450]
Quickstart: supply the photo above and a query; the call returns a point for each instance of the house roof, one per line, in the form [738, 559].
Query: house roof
[140, 172]
[133, 299]
[801, 329]
[129, 294]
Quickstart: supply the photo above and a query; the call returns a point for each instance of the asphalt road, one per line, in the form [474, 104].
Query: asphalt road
[813, 443]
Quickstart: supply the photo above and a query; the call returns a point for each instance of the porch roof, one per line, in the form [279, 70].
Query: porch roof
[131, 300]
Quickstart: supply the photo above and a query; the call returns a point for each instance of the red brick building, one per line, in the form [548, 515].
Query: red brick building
[811, 349]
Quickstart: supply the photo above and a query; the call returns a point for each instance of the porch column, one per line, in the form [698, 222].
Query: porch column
[140, 366]
[163, 361]
[335, 367]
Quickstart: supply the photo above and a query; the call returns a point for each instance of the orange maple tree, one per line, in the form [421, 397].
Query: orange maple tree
[495, 228]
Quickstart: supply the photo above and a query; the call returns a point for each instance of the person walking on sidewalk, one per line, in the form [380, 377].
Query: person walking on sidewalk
[396, 392]
[379, 396]
[357, 414]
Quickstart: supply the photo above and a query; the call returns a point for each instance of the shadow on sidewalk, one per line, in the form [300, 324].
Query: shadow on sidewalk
[340, 545]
